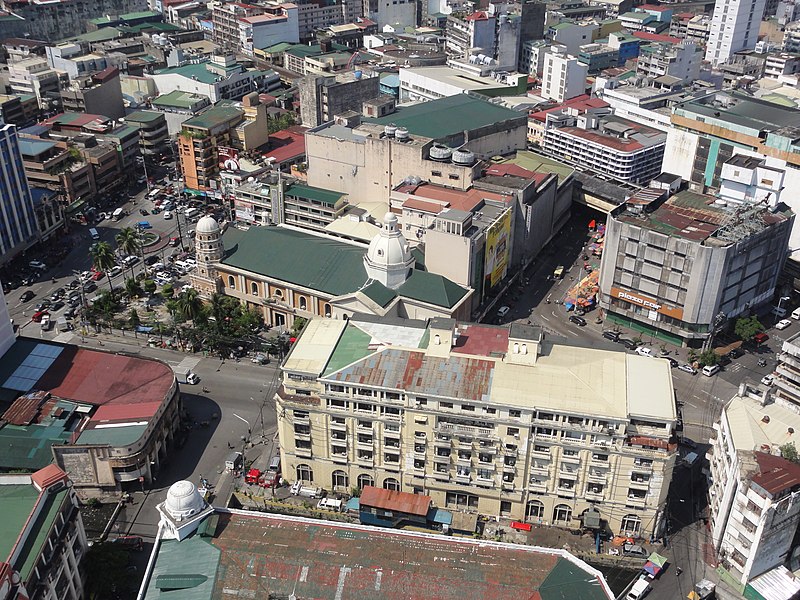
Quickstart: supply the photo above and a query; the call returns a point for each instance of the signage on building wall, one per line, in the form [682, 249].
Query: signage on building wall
[652, 306]
[244, 211]
[228, 158]
[498, 247]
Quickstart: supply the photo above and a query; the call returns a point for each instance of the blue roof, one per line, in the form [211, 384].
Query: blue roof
[390, 81]
[29, 147]
[35, 130]
[438, 515]
[353, 504]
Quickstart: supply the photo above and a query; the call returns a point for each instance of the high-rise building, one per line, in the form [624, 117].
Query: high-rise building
[564, 76]
[734, 27]
[18, 228]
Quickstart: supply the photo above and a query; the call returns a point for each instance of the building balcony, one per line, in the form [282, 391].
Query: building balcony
[464, 462]
[565, 492]
[306, 420]
[365, 445]
[465, 430]
[441, 476]
[573, 460]
[540, 469]
[463, 478]
[339, 458]
[537, 488]
[597, 477]
[303, 452]
[640, 484]
[338, 426]
[636, 502]
[306, 437]
[363, 461]
[595, 496]
[507, 486]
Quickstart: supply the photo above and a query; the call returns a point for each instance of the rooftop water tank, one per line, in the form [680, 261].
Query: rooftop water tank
[440, 152]
[401, 133]
[390, 130]
[463, 157]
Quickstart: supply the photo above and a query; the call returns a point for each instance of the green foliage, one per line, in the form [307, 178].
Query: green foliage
[189, 305]
[132, 288]
[708, 358]
[299, 323]
[168, 291]
[747, 327]
[93, 503]
[149, 286]
[789, 452]
[280, 122]
[355, 491]
[133, 319]
[103, 259]
[106, 571]
[128, 241]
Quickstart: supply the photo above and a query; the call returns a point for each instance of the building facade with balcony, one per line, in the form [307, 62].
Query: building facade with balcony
[45, 541]
[153, 131]
[484, 419]
[754, 493]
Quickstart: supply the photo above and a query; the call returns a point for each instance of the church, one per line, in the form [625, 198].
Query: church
[286, 272]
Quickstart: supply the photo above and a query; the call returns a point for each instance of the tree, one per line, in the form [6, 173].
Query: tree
[167, 291]
[218, 310]
[103, 259]
[149, 286]
[132, 288]
[106, 571]
[190, 305]
[789, 452]
[747, 327]
[708, 358]
[133, 319]
[128, 242]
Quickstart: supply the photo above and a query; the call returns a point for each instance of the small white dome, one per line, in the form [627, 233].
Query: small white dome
[183, 500]
[207, 224]
[389, 256]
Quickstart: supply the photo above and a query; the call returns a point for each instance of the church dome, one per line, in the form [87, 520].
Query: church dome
[207, 224]
[388, 257]
[183, 500]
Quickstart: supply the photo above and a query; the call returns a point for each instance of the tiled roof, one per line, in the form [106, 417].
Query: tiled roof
[287, 144]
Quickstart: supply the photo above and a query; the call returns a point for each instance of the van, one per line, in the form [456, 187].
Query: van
[190, 213]
[153, 193]
[639, 590]
[796, 313]
[275, 464]
[118, 214]
[330, 504]
[93, 234]
[710, 370]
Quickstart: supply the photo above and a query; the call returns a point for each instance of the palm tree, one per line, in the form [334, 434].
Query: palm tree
[132, 288]
[103, 259]
[218, 309]
[190, 305]
[128, 242]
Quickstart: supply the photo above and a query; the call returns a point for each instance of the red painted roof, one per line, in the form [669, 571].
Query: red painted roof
[512, 170]
[656, 37]
[44, 478]
[477, 16]
[100, 378]
[412, 504]
[126, 412]
[466, 201]
[287, 144]
[654, 7]
[581, 103]
[481, 340]
[777, 474]
[417, 204]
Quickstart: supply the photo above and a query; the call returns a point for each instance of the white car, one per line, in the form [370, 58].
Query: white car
[783, 324]
[192, 379]
[767, 379]
[37, 264]
[167, 215]
[86, 276]
[644, 351]
[115, 270]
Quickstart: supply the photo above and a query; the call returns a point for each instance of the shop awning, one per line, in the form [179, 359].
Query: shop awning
[75, 207]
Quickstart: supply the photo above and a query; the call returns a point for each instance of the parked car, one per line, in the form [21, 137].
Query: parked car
[767, 379]
[174, 241]
[633, 550]
[736, 353]
[688, 369]
[27, 295]
[711, 370]
[611, 335]
[167, 215]
[89, 286]
[37, 264]
[672, 362]
[260, 359]
[57, 305]
[783, 324]
[644, 351]
[144, 225]
[577, 320]
[115, 270]
[143, 212]
[503, 311]
[38, 315]
[43, 304]
[98, 275]
[760, 337]
[629, 344]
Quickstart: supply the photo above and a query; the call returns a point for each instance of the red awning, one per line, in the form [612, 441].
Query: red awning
[592, 224]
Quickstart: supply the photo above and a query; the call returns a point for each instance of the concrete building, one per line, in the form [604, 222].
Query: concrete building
[421, 84]
[44, 541]
[241, 127]
[153, 131]
[709, 130]
[240, 27]
[402, 13]
[564, 76]
[314, 15]
[598, 57]
[572, 35]
[786, 384]
[18, 228]
[649, 105]
[748, 180]
[753, 493]
[779, 64]
[179, 106]
[220, 78]
[734, 27]
[211, 543]
[791, 38]
[681, 61]
[285, 273]
[53, 165]
[98, 94]
[680, 268]
[49, 212]
[34, 77]
[356, 160]
[517, 430]
[322, 97]
[21, 111]
[475, 31]
[73, 59]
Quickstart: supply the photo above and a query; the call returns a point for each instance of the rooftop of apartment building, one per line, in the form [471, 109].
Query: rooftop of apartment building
[214, 117]
[745, 111]
[179, 99]
[758, 427]
[657, 37]
[216, 560]
[537, 163]
[459, 78]
[580, 103]
[47, 389]
[20, 496]
[696, 217]
[144, 116]
[201, 71]
[481, 366]
[287, 144]
[618, 134]
[79, 121]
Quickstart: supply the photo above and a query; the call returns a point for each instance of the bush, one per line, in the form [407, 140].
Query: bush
[93, 503]
[149, 286]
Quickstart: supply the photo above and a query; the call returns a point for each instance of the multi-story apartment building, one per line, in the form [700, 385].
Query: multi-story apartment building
[178, 106]
[779, 64]
[698, 29]
[598, 57]
[45, 540]
[99, 94]
[786, 384]
[240, 27]
[153, 133]
[473, 31]
[274, 200]
[748, 179]
[73, 59]
[791, 38]
[734, 27]
[323, 97]
[54, 165]
[18, 229]
[492, 420]
[314, 15]
[681, 61]
[607, 145]
[242, 126]
[681, 267]
[572, 35]
[34, 77]
[754, 491]
[563, 76]
[18, 110]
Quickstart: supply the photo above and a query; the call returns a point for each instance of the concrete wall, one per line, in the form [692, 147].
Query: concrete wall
[341, 97]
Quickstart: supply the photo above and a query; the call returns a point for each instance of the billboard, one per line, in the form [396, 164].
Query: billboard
[228, 158]
[498, 248]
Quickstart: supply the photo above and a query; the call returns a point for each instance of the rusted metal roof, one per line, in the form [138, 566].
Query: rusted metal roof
[25, 409]
[410, 504]
[777, 475]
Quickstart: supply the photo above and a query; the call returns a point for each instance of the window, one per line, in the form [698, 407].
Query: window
[461, 500]
[365, 480]
[339, 479]
[468, 407]
[326, 308]
[304, 473]
[390, 483]
[534, 510]
[562, 514]
[276, 293]
[231, 282]
[631, 525]
[513, 431]
[254, 288]
[422, 401]
[303, 303]
[515, 414]
[445, 405]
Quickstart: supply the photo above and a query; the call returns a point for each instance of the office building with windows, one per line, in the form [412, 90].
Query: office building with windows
[734, 27]
[484, 419]
[18, 228]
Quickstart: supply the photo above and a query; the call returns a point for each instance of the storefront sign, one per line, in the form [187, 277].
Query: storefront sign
[652, 306]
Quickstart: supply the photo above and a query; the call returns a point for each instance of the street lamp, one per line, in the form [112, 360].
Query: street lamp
[781, 301]
[245, 420]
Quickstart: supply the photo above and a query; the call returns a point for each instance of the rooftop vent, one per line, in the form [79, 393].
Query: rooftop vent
[441, 153]
[401, 134]
[463, 157]
[390, 130]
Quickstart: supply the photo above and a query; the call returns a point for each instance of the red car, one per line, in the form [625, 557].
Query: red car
[760, 337]
[98, 275]
[37, 316]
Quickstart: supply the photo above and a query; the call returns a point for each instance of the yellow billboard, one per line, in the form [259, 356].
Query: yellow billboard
[498, 247]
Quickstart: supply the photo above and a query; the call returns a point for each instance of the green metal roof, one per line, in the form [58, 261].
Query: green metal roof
[378, 293]
[179, 99]
[304, 50]
[100, 35]
[39, 533]
[16, 504]
[433, 289]
[319, 263]
[352, 346]
[448, 116]
[278, 48]
[214, 116]
[144, 116]
[183, 564]
[315, 194]
[198, 71]
[113, 436]
[568, 580]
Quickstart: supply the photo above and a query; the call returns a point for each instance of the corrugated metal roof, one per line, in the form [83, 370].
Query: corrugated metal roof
[411, 504]
[777, 474]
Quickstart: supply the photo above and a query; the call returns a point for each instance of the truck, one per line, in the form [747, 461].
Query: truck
[62, 324]
[558, 273]
[639, 590]
[185, 375]
[306, 491]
